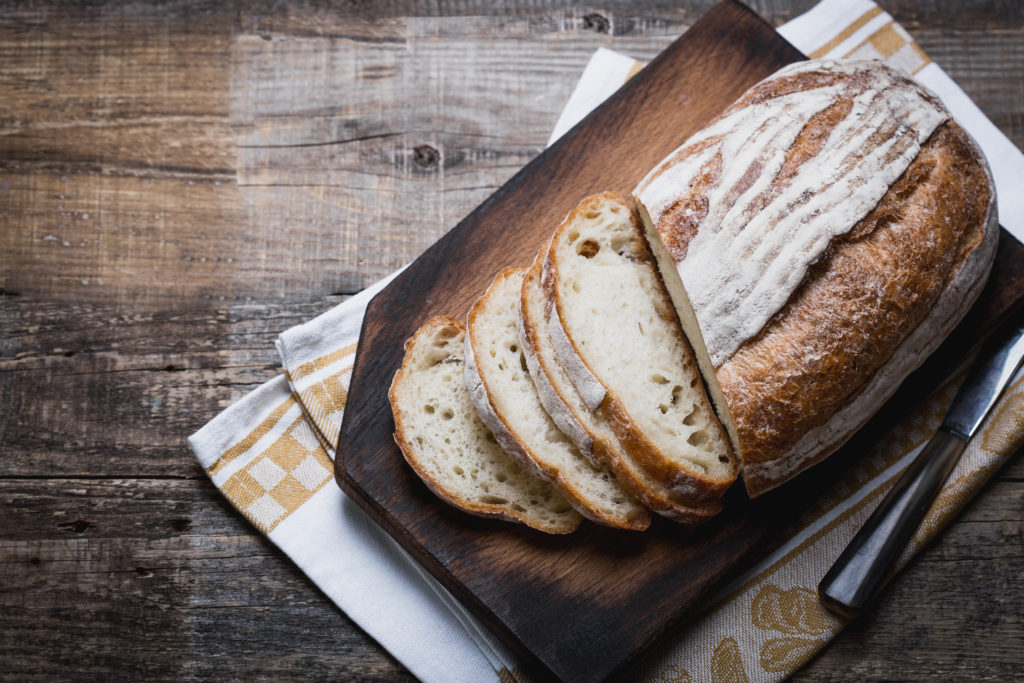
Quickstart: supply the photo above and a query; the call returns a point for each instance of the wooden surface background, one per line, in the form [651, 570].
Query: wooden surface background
[180, 181]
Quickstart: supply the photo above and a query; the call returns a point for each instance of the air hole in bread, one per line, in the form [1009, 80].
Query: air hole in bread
[459, 471]
[447, 378]
[659, 379]
[513, 348]
[676, 391]
[698, 438]
[501, 477]
[663, 408]
[588, 248]
[573, 236]
[623, 245]
[428, 409]
[640, 325]
[447, 414]
[724, 459]
[576, 287]
[690, 419]
[592, 215]
[493, 500]
[522, 363]
[490, 437]
[446, 333]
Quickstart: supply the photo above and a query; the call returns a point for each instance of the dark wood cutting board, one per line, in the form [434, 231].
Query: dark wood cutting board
[583, 607]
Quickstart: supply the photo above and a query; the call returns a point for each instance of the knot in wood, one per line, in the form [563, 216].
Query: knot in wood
[425, 156]
[596, 22]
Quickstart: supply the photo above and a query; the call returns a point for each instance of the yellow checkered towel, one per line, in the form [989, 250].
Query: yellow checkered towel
[271, 455]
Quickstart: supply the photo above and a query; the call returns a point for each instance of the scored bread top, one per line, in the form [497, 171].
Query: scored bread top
[616, 333]
[590, 431]
[442, 438]
[504, 394]
[847, 236]
[757, 196]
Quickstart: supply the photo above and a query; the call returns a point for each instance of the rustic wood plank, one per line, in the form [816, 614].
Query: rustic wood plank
[120, 168]
[293, 137]
[157, 376]
[158, 578]
[146, 559]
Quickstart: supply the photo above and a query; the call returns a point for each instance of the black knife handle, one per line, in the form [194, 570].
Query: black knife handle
[866, 564]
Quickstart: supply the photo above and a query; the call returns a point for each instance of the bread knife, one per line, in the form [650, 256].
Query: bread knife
[864, 568]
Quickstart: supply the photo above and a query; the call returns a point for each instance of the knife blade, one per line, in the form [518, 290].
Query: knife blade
[863, 569]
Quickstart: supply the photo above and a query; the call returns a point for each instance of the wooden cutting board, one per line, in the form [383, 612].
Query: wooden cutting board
[583, 607]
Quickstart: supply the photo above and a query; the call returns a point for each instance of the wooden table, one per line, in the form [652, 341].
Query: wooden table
[181, 181]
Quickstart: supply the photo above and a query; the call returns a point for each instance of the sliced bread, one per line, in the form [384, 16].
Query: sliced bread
[501, 388]
[616, 333]
[442, 438]
[591, 432]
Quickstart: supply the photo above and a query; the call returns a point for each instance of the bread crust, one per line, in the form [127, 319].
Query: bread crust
[438, 487]
[649, 492]
[693, 488]
[877, 301]
[512, 444]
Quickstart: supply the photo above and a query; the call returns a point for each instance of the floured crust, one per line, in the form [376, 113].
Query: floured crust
[517, 445]
[685, 482]
[875, 300]
[589, 431]
[962, 288]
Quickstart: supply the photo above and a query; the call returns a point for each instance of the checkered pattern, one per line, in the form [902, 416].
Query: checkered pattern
[280, 478]
[874, 35]
[893, 44]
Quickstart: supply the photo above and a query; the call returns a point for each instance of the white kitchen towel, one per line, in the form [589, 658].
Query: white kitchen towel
[271, 455]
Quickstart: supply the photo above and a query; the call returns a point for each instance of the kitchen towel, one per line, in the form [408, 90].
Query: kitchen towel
[271, 455]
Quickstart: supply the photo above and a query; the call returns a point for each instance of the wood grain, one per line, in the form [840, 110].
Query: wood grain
[120, 167]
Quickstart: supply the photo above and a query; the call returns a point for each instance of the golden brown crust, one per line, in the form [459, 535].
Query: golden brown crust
[856, 306]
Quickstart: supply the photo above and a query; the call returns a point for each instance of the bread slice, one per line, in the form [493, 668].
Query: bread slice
[505, 398]
[442, 438]
[616, 332]
[591, 432]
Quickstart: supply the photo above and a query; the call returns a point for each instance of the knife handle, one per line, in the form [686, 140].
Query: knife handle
[866, 564]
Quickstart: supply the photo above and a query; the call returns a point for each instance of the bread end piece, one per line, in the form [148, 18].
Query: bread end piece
[442, 438]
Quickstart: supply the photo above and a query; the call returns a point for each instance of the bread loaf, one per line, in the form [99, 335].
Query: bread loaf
[820, 238]
[442, 438]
